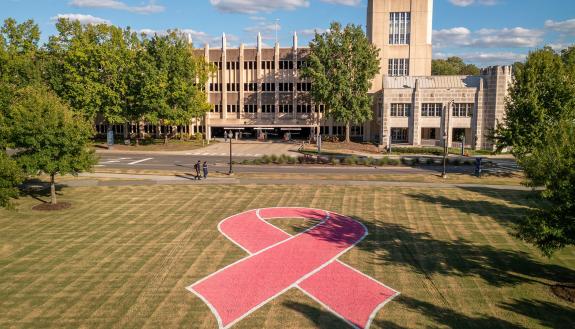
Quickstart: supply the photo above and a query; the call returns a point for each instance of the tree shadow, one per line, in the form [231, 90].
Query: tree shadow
[547, 314]
[39, 190]
[322, 319]
[450, 318]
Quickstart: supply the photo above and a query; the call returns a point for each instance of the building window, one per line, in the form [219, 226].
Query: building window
[250, 86]
[303, 86]
[269, 65]
[232, 65]
[268, 87]
[431, 109]
[233, 87]
[286, 65]
[399, 135]
[399, 28]
[303, 108]
[250, 65]
[398, 67]
[284, 108]
[216, 108]
[215, 86]
[268, 108]
[320, 108]
[250, 108]
[463, 109]
[232, 108]
[356, 131]
[285, 86]
[218, 65]
[400, 110]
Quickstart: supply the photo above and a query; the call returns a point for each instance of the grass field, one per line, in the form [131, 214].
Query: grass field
[122, 257]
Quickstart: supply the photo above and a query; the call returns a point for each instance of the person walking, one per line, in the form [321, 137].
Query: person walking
[205, 167]
[197, 167]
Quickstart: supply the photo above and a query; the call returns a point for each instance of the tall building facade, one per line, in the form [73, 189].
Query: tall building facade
[259, 91]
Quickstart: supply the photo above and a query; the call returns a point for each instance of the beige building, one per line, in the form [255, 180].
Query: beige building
[258, 91]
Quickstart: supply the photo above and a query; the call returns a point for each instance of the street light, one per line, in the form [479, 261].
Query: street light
[230, 136]
[447, 116]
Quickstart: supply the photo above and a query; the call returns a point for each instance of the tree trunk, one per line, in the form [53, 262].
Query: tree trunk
[53, 189]
[348, 132]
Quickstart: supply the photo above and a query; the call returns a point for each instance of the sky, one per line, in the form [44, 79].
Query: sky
[483, 32]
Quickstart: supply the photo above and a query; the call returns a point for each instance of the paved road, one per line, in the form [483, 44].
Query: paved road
[184, 163]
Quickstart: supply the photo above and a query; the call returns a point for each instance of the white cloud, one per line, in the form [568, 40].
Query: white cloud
[311, 32]
[199, 38]
[486, 58]
[83, 19]
[488, 38]
[344, 2]
[149, 8]
[465, 3]
[565, 27]
[257, 6]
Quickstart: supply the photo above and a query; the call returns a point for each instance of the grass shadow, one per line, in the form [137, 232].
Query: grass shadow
[548, 314]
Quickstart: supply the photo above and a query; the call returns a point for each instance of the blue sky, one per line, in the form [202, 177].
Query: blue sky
[483, 32]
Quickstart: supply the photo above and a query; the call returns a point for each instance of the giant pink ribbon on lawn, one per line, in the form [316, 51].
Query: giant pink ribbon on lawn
[278, 261]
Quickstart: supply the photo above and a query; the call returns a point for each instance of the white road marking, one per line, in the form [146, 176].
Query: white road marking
[111, 161]
[140, 161]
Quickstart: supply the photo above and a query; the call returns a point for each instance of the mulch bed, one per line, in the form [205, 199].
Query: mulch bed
[566, 292]
[52, 207]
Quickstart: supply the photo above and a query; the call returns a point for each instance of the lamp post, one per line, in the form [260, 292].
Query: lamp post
[231, 136]
[447, 116]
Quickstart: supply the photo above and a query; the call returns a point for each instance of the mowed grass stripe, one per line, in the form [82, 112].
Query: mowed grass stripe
[447, 251]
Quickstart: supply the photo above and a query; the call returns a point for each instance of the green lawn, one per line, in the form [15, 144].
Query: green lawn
[122, 257]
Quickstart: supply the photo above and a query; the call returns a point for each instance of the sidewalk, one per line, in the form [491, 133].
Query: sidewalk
[135, 180]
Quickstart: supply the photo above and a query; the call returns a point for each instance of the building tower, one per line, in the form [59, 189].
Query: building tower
[402, 30]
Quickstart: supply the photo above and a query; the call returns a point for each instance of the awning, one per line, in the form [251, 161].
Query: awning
[291, 129]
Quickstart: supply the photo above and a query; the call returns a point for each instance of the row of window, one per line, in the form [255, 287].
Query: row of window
[282, 87]
[267, 108]
[399, 28]
[267, 65]
[432, 110]
[398, 67]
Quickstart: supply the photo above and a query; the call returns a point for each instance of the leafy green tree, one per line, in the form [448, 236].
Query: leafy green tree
[52, 138]
[342, 64]
[453, 66]
[539, 129]
[19, 57]
[552, 225]
[89, 67]
[172, 86]
[10, 177]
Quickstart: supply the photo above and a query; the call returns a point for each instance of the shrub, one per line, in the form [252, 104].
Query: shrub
[394, 162]
[274, 158]
[199, 136]
[335, 161]
[266, 159]
[350, 161]
[291, 160]
[407, 161]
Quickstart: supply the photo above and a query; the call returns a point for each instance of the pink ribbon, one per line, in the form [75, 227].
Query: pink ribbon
[278, 262]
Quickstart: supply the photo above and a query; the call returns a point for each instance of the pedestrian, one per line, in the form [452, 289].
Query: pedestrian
[198, 166]
[205, 170]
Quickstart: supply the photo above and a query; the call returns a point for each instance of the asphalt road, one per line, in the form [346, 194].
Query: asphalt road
[185, 163]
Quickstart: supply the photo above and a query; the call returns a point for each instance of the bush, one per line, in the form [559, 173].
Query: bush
[335, 161]
[394, 162]
[350, 161]
[274, 158]
[246, 162]
[407, 161]
[199, 136]
[266, 159]
[291, 160]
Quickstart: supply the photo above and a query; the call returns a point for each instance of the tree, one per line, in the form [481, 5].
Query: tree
[10, 177]
[453, 66]
[172, 87]
[539, 129]
[342, 64]
[54, 140]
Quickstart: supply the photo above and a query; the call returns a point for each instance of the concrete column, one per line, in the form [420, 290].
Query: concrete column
[414, 121]
[294, 78]
[477, 120]
[224, 78]
[241, 80]
[259, 76]
[276, 73]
